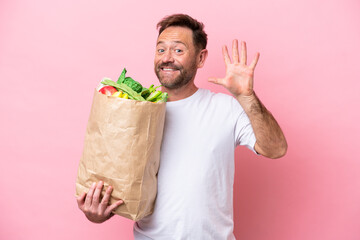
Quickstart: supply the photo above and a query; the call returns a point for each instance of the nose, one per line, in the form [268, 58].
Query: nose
[167, 57]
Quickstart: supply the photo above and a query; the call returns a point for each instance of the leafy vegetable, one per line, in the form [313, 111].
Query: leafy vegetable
[134, 90]
[134, 85]
[122, 76]
[123, 87]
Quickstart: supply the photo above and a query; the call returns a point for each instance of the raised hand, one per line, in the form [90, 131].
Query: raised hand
[239, 78]
[97, 210]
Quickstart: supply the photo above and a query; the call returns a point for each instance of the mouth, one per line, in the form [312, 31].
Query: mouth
[168, 69]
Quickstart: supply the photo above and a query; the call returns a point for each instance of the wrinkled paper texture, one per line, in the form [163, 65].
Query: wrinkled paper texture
[122, 148]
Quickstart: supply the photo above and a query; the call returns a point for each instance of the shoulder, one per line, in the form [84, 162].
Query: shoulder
[206, 93]
[225, 101]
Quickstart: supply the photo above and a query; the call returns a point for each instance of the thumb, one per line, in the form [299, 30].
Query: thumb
[216, 80]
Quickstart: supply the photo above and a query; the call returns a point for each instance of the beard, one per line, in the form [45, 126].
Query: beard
[185, 76]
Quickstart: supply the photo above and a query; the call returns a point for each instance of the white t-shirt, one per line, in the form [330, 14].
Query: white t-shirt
[196, 174]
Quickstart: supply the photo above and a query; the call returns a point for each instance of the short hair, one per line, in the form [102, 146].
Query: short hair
[183, 20]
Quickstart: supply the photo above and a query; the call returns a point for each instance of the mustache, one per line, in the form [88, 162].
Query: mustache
[169, 65]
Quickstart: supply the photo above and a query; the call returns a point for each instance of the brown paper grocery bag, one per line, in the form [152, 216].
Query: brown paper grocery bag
[122, 148]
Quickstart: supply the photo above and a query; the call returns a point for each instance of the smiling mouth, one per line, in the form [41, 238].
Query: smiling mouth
[168, 69]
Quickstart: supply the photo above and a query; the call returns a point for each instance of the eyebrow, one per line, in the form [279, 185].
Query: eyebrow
[160, 42]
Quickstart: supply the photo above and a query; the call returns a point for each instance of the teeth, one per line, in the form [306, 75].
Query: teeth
[168, 69]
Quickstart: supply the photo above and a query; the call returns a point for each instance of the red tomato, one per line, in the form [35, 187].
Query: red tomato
[108, 90]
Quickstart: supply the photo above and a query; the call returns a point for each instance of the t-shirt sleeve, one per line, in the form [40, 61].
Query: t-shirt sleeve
[243, 132]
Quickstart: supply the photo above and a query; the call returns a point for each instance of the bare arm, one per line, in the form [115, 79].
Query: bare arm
[239, 80]
[270, 140]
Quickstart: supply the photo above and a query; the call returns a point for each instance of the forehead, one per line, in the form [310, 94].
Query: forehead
[176, 34]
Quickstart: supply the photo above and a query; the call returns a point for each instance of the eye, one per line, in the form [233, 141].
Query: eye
[160, 50]
[178, 50]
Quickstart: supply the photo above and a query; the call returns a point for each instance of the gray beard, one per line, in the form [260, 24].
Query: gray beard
[178, 82]
[183, 79]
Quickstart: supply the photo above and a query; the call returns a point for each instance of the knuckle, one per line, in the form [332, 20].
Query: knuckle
[97, 215]
[107, 212]
[103, 203]
[93, 213]
[89, 195]
[95, 199]
[106, 195]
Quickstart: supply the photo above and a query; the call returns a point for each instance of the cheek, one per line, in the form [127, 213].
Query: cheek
[180, 60]
[156, 61]
[187, 62]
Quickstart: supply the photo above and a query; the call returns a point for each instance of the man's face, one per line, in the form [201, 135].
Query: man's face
[175, 61]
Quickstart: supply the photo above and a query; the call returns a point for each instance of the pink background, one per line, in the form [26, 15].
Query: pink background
[53, 54]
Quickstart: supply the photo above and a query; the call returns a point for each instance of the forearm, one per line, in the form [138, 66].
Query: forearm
[270, 140]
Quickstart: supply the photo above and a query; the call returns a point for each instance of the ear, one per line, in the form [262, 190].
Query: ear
[202, 57]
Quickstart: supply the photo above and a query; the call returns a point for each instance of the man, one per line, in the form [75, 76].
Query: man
[202, 129]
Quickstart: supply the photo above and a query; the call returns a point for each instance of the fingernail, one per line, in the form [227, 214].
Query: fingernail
[93, 185]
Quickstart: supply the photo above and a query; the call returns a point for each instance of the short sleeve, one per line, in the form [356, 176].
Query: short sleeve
[243, 131]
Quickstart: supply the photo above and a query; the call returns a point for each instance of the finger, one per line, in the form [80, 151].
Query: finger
[81, 200]
[112, 207]
[216, 80]
[96, 197]
[226, 55]
[254, 62]
[235, 51]
[105, 201]
[89, 195]
[243, 53]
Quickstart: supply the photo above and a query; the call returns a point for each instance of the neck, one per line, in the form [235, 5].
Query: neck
[180, 93]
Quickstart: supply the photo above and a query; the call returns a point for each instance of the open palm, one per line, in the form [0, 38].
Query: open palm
[239, 78]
